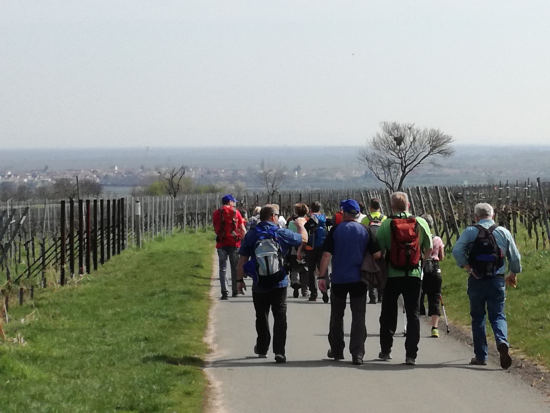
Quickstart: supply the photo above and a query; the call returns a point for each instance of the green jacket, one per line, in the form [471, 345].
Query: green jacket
[383, 236]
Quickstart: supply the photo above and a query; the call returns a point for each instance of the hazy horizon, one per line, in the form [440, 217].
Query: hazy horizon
[135, 73]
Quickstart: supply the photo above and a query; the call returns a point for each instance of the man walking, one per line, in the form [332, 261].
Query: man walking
[230, 229]
[266, 246]
[347, 244]
[480, 250]
[316, 227]
[374, 219]
[404, 239]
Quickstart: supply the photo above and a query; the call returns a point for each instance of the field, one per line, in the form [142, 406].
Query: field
[128, 338]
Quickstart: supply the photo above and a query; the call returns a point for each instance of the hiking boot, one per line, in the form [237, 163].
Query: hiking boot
[476, 362]
[336, 357]
[262, 356]
[372, 301]
[435, 332]
[325, 298]
[409, 361]
[384, 356]
[280, 358]
[505, 359]
[357, 361]
[224, 296]
[296, 292]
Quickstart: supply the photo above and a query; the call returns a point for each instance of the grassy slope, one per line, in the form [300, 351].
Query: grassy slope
[527, 307]
[128, 338]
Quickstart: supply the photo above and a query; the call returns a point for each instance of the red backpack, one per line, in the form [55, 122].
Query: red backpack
[405, 244]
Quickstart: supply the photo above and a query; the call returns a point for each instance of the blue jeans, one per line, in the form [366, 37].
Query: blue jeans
[223, 254]
[490, 293]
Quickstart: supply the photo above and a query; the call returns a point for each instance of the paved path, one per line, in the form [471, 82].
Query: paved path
[442, 380]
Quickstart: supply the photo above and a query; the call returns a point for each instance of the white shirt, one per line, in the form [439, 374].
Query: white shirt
[281, 222]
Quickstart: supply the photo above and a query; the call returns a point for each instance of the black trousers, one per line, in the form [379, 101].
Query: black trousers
[313, 262]
[263, 302]
[358, 303]
[410, 288]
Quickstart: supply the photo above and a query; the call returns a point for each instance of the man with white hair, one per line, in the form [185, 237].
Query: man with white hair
[481, 250]
[405, 240]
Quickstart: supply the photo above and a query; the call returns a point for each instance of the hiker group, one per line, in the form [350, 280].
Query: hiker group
[368, 257]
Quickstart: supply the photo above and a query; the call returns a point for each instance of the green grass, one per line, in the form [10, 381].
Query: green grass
[527, 307]
[129, 338]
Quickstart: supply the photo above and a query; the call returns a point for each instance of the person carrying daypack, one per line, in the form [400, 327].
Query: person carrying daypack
[261, 256]
[298, 270]
[374, 219]
[481, 250]
[317, 231]
[405, 239]
[431, 282]
[229, 228]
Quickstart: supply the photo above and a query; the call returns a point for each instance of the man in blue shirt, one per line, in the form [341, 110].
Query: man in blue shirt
[488, 291]
[347, 244]
[271, 294]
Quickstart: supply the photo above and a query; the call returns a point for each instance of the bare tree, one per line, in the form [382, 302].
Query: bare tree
[171, 179]
[391, 155]
[90, 188]
[63, 188]
[272, 179]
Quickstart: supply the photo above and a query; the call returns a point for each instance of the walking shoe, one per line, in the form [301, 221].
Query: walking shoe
[357, 361]
[384, 356]
[505, 359]
[372, 301]
[409, 361]
[224, 296]
[280, 358]
[476, 362]
[336, 357]
[262, 356]
[325, 298]
[296, 291]
[313, 297]
[235, 293]
[435, 332]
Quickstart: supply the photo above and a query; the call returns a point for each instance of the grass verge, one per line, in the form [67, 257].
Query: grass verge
[128, 338]
[527, 307]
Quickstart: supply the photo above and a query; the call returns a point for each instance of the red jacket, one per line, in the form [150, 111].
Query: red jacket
[229, 234]
[338, 218]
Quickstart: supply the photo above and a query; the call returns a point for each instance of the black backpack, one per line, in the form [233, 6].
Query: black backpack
[485, 257]
[375, 223]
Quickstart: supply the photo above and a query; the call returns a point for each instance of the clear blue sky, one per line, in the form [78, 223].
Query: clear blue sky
[241, 72]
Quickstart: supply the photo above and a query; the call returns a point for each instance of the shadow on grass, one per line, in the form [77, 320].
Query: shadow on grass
[175, 361]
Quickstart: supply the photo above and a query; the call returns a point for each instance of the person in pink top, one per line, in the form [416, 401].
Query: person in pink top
[431, 282]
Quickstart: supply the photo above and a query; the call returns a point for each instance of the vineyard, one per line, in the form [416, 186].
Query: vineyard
[43, 244]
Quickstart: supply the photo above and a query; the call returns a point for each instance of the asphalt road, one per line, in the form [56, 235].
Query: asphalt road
[442, 380]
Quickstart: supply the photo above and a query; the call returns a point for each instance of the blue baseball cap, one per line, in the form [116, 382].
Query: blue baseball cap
[350, 206]
[228, 198]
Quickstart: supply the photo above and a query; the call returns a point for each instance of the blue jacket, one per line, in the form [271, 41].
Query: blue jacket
[287, 240]
[504, 240]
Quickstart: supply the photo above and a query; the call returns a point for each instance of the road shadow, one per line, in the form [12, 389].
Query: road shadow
[368, 365]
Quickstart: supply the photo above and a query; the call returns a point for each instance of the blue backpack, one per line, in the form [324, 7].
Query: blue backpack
[316, 228]
[266, 268]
